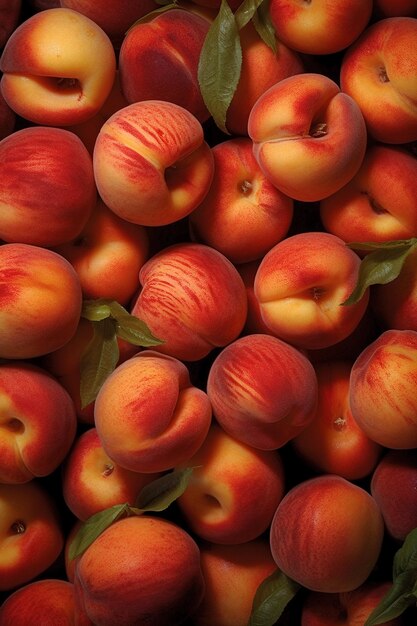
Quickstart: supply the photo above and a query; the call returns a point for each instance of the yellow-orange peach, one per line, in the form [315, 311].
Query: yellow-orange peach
[333, 442]
[379, 71]
[382, 389]
[262, 390]
[193, 298]
[300, 285]
[140, 570]
[151, 162]
[243, 215]
[48, 190]
[41, 299]
[309, 137]
[378, 204]
[31, 536]
[149, 416]
[37, 422]
[159, 58]
[233, 491]
[50, 70]
[342, 526]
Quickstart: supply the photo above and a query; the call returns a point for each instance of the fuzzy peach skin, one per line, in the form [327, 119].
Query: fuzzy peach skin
[9, 18]
[48, 601]
[243, 215]
[107, 255]
[234, 489]
[38, 422]
[151, 162]
[320, 27]
[113, 17]
[261, 68]
[193, 298]
[263, 391]
[7, 119]
[382, 392]
[351, 608]
[327, 534]
[300, 285]
[140, 570]
[380, 72]
[40, 301]
[50, 71]
[92, 482]
[333, 442]
[31, 537]
[232, 574]
[395, 303]
[149, 416]
[47, 191]
[159, 58]
[394, 487]
[378, 204]
[309, 137]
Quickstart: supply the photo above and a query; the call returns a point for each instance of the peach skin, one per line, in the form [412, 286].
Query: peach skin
[300, 285]
[50, 74]
[309, 137]
[38, 422]
[149, 416]
[262, 390]
[151, 162]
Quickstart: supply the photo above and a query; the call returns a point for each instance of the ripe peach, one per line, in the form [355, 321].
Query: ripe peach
[327, 534]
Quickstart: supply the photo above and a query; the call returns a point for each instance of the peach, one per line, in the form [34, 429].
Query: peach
[379, 71]
[322, 27]
[300, 285]
[140, 570]
[10, 11]
[48, 189]
[394, 487]
[181, 288]
[48, 601]
[309, 137]
[50, 73]
[351, 608]
[382, 389]
[149, 416]
[92, 482]
[31, 536]
[378, 203]
[254, 322]
[342, 526]
[243, 215]
[333, 442]
[151, 162]
[261, 68]
[107, 255]
[41, 299]
[232, 574]
[38, 422]
[263, 391]
[233, 491]
[159, 58]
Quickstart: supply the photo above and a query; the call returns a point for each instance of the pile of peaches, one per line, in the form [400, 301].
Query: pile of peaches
[208, 312]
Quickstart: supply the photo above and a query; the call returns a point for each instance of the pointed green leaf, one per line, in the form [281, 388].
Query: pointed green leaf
[245, 12]
[160, 493]
[271, 598]
[94, 526]
[95, 310]
[381, 266]
[263, 25]
[131, 328]
[99, 359]
[220, 65]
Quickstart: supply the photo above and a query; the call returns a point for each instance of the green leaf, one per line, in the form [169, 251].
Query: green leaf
[98, 360]
[96, 310]
[380, 266]
[220, 65]
[245, 12]
[160, 493]
[263, 25]
[131, 328]
[94, 526]
[271, 598]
